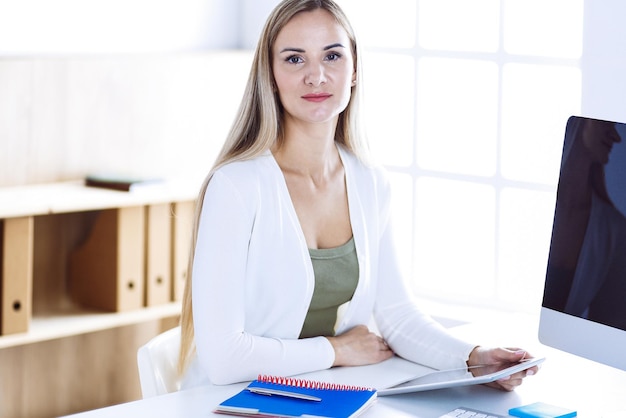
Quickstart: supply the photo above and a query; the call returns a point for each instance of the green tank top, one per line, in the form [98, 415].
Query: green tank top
[336, 276]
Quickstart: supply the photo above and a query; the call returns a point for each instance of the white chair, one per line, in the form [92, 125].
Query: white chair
[157, 361]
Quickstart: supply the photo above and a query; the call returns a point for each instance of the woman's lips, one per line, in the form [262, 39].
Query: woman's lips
[316, 97]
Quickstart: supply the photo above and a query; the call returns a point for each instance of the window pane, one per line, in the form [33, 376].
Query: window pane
[402, 217]
[525, 230]
[455, 230]
[390, 108]
[457, 116]
[459, 120]
[537, 100]
[390, 25]
[551, 28]
[459, 25]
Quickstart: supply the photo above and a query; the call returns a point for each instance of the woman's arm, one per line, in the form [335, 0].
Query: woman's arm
[409, 332]
[228, 350]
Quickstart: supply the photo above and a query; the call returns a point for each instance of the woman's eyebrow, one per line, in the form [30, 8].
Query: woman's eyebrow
[301, 51]
[337, 45]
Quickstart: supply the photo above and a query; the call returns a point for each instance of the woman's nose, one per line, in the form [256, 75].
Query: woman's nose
[315, 76]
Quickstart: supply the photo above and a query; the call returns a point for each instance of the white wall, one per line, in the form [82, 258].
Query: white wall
[157, 114]
[252, 17]
[604, 60]
[119, 85]
[35, 27]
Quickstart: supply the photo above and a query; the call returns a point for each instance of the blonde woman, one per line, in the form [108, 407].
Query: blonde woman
[293, 265]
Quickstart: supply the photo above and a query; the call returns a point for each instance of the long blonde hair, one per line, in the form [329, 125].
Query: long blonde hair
[258, 126]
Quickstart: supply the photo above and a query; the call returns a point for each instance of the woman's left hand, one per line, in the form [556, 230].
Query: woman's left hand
[481, 356]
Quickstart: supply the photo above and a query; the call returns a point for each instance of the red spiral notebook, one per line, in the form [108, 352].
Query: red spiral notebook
[270, 396]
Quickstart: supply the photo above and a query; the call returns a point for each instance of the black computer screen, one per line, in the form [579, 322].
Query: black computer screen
[586, 273]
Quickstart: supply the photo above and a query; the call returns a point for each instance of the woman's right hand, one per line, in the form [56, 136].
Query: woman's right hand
[359, 346]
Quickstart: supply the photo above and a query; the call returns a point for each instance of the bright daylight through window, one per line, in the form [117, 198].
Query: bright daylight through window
[467, 102]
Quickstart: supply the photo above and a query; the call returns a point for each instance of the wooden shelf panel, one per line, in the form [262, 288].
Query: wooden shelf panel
[70, 323]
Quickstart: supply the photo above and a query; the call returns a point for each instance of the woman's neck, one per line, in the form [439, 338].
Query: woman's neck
[308, 151]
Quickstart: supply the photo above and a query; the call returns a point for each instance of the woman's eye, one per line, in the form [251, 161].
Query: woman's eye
[333, 56]
[294, 59]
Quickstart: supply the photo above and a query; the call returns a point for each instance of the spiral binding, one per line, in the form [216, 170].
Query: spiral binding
[310, 384]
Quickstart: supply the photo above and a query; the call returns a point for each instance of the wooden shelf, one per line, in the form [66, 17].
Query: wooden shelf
[70, 254]
[74, 196]
[77, 322]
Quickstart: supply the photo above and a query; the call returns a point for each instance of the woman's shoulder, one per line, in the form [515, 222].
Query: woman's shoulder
[248, 169]
[247, 180]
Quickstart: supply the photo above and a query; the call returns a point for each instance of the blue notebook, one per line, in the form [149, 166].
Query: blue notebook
[290, 397]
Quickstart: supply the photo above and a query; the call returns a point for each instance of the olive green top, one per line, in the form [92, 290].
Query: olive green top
[336, 276]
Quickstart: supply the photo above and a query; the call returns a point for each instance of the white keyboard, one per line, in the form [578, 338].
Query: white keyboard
[462, 412]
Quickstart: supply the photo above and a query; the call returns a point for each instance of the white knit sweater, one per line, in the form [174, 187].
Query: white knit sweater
[253, 279]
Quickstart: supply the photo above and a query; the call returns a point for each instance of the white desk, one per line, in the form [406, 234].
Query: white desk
[593, 390]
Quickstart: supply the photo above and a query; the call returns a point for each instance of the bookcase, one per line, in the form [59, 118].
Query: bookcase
[81, 264]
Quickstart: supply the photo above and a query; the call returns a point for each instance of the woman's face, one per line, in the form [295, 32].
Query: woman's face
[313, 68]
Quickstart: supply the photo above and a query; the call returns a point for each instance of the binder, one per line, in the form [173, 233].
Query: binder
[16, 280]
[119, 181]
[158, 282]
[292, 397]
[182, 228]
[107, 271]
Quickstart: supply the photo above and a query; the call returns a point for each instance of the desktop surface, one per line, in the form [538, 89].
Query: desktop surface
[594, 390]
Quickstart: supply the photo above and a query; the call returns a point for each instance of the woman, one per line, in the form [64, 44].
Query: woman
[293, 259]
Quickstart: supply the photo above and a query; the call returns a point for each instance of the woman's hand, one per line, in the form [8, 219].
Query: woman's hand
[480, 356]
[358, 347]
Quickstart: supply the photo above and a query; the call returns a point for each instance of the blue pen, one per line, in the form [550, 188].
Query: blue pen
[270, 392]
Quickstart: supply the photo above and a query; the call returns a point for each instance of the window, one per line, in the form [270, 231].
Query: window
[466, 107]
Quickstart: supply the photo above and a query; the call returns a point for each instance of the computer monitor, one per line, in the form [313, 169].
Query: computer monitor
[584, 303]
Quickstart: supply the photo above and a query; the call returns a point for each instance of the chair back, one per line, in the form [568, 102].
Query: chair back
[157, 361]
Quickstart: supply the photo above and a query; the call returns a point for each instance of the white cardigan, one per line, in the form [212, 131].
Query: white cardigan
[253, 279]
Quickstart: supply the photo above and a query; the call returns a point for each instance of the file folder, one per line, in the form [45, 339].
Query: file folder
[158, 254]
[16, 280]
[107, 271]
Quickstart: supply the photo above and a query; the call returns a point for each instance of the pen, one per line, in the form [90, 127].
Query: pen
[270, 392]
